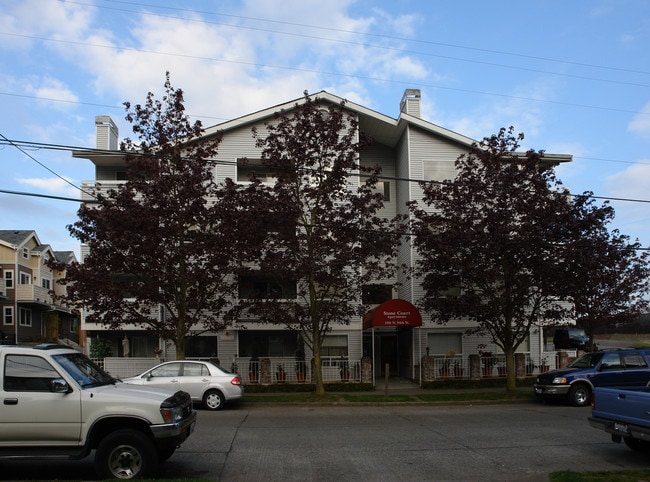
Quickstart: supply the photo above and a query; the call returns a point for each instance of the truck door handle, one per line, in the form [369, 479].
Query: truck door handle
[11, 401]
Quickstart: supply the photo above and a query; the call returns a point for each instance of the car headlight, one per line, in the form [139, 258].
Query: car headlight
[171, 414]
[559, 380]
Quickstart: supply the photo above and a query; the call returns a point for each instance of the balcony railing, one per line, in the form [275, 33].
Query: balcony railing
[33, 293]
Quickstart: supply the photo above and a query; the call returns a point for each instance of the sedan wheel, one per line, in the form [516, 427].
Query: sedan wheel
[213, 400]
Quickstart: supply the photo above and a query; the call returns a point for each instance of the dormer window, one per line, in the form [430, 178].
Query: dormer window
[26, 253]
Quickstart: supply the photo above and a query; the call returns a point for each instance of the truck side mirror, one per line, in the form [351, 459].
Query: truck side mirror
[59, 385]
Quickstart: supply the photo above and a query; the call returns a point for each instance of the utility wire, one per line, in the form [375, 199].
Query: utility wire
[334, 74]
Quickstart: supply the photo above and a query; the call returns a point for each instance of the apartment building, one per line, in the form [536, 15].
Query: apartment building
[393, 333]
[30, 313]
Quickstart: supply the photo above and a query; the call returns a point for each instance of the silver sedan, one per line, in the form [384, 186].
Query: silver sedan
[206, 383]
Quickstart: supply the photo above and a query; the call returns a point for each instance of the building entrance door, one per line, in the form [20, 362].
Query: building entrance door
[388, 354]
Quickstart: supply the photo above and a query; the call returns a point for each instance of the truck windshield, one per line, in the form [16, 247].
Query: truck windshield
[589, 360]
[85, 372]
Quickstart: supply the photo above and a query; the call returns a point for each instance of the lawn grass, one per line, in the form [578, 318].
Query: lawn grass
[601, 476]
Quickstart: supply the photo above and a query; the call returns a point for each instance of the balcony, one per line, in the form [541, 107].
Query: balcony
[89, 188]
[33, 294]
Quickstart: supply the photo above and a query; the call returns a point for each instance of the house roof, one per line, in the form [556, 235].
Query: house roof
[381, 128]
[15, 238]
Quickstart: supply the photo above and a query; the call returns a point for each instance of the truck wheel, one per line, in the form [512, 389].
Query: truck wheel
[125, 454]
[213, 400]
[579, 395]
[637, 445]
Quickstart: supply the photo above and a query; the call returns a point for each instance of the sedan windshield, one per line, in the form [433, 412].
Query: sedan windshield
[589, 360]
[83, 370]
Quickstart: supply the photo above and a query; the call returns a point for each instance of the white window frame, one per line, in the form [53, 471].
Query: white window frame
[26, 253]
[25, 317]
[8, 314]
[24, 278]
[9, 279]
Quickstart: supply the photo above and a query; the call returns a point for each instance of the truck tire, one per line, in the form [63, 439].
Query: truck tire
[637, 445]
[125, 454]
[213, 400]
[579, 395]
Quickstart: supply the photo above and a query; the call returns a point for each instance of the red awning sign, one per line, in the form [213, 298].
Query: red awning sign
[393, 313]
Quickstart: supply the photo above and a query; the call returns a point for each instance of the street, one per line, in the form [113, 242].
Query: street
[514, 441]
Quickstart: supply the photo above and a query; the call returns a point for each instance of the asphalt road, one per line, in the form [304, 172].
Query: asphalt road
[513, 441]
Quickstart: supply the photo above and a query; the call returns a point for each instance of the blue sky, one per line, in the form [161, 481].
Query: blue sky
[574, 77]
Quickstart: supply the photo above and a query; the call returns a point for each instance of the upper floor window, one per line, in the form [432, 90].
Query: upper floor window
[439, 170]
[376, 294]
[24, 279]
[249, 168]
[383, 187]
[46, 283]
[262, 286]
[25, 252]
[9, 279]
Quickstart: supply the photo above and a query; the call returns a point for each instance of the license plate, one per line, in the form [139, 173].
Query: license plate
[620, 427]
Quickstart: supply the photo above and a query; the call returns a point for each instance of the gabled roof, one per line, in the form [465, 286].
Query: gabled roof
[14, 238]
[381, 128]
[65, 256]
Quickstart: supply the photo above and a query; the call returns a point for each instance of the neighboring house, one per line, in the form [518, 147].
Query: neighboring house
[29, 312]
[407, 148]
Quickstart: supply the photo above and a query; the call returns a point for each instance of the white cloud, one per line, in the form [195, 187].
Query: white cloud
[52, 185]
[641, 123]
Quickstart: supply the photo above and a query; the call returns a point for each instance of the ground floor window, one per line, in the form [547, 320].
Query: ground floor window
[201, 347]
[8, 315]
[267, 343]
[443, 343]
[25, 317]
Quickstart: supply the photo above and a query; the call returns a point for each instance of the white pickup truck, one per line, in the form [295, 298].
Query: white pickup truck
[56, 403]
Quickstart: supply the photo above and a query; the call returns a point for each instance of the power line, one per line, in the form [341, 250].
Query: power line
[366, 34]
[234, 163]
[333, 74]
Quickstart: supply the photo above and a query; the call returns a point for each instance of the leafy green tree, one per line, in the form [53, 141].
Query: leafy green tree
[607, 275]
[489, 243]
[326, 234]
[163, 246]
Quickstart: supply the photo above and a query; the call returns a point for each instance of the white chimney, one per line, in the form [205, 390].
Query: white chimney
[411, 102]
[106, 133]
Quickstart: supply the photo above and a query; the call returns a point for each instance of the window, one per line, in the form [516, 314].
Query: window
[611, 361]
[248, 168]
[376, 294]
[24, 279]
[195, 370]
[201, 347]
[25, 253]
[383, 187]
[335, 346]
[256, 285]
[267, 343]
[9, 279]
[8, 315]
[439, 170]
[442, 343]
[24, 373]
[45, 283]
[25, 317]
[168, 370]
[634, 360]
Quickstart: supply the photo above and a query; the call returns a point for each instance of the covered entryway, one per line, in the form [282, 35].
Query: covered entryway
[388, 331]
